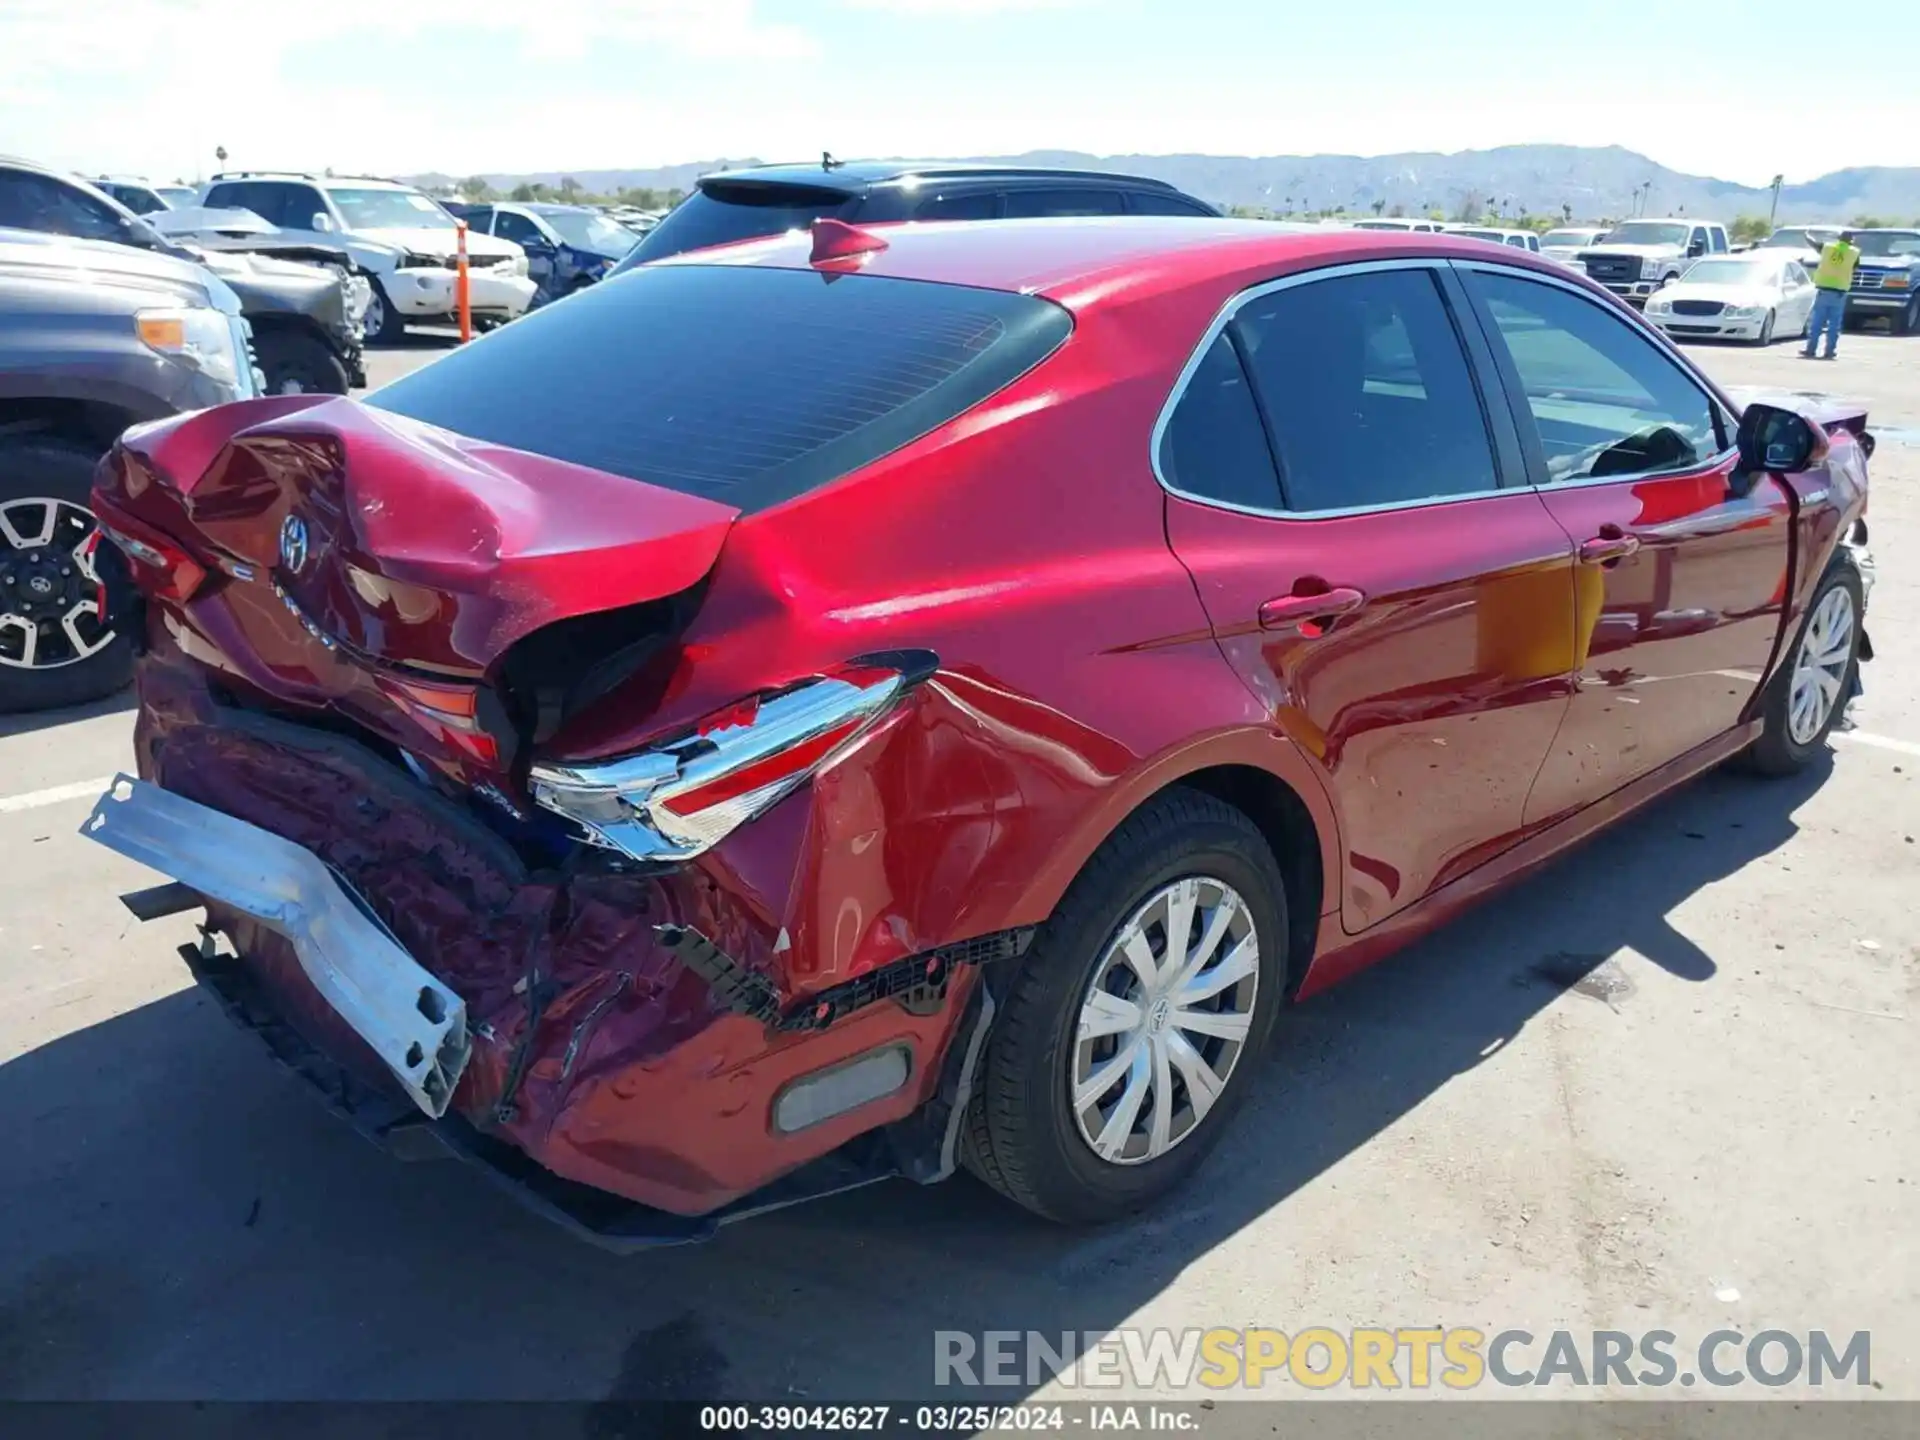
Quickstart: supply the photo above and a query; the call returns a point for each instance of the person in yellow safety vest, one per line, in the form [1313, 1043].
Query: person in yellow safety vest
[1832, 278]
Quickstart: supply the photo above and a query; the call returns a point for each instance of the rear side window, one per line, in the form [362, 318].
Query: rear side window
[980, 205]
[1037, 204]
[1214, 446]
[1368, 392]
[723, 214]
[743, 385]
[1159, 202]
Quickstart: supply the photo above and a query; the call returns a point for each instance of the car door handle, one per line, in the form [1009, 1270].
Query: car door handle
[1606, 548]
[1284, 610]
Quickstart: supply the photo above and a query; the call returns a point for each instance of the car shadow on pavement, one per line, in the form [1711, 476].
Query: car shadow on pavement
[183, 1222]
[24, 722]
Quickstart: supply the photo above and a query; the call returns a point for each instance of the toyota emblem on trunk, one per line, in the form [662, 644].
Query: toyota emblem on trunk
[293, 543]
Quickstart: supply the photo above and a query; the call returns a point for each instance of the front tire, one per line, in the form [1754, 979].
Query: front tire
[55, 647]
[383, 325]
[297, 364]
[1809, 692]
[1910, 317]
[1134, 1026]
[1766, 332]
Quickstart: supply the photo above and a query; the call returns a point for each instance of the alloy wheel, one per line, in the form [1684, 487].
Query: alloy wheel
[1820, 669]
[1163, 1020]
[52, 605]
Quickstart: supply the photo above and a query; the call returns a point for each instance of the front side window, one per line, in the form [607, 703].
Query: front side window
[1214, 446]
[518, 229]
[1605, 399]
[1698, 242]
[1367, 390]
[586, 230]
[1036, 204]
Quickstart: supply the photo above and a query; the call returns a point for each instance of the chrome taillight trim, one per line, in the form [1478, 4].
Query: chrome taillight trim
[622, 804]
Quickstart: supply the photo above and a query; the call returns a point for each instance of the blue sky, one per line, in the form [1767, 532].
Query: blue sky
[153, 86]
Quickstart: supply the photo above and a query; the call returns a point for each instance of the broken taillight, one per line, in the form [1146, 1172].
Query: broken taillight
[169, 571]
[450, 713]
[676, 799]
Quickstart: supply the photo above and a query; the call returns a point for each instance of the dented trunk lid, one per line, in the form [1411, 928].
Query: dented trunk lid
[345, 545]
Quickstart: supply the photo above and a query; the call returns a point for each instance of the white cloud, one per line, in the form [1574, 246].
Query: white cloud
[965, 8]
[102, 38]
[153, 85]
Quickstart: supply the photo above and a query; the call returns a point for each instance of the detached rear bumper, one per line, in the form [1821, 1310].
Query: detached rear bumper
[416, 1026]
[590, 1047]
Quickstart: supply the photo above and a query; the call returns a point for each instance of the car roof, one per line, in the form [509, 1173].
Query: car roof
[1078, 261]
[855, 175]
[546, 207]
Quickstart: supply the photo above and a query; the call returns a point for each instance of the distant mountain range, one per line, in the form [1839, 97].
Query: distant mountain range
[1598, 183]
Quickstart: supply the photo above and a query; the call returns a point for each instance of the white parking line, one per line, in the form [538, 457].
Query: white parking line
[1878, 742]
[34, 799]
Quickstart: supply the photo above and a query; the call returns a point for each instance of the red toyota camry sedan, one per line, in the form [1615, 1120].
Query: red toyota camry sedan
[868, 702]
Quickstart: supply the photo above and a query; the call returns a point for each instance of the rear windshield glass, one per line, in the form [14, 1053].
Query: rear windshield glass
[723, 214]
[744, 385]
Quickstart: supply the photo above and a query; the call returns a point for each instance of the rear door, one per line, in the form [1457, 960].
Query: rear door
[1681, 576]
[1406, 617]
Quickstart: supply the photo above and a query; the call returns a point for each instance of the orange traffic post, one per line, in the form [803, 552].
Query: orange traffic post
[462, 299]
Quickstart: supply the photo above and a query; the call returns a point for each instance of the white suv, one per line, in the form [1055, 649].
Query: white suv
[402, 238]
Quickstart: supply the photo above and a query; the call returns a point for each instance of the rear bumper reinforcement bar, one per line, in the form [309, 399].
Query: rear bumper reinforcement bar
[416, 1025]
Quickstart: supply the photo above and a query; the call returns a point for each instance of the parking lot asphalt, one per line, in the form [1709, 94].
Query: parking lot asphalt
[1721, 1135]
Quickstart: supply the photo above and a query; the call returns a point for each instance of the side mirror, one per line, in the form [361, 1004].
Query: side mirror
[1696, 249]
[1776, 441]
[320, 220]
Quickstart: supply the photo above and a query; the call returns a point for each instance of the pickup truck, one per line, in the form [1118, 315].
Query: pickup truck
[1637, 257]
[94, 337]
[1886, 282]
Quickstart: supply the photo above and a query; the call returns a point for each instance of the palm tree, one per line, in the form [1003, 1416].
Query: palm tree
[1379, 206]
[1566, 211]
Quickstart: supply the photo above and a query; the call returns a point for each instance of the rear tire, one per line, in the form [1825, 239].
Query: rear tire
[297, 364]
[57, 473]
[1187, 855]
[1817, 672]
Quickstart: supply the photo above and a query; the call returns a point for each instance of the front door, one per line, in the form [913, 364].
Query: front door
[1682, 571]
[1405, 618]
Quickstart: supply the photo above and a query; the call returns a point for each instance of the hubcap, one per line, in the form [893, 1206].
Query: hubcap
[1164, 1020]
[52, 605]
[1820, 669]
[375, 318]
